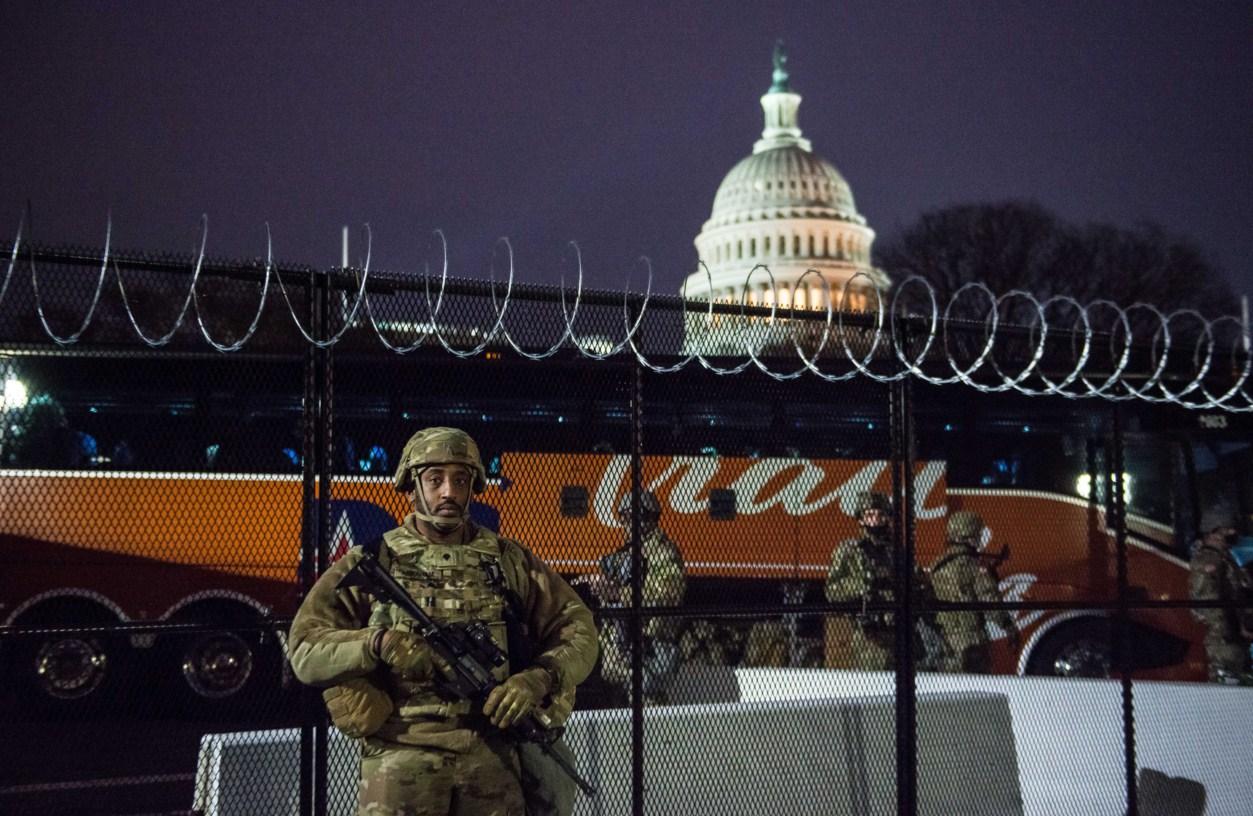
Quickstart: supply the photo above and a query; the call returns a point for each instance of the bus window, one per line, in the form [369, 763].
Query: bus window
[1149, 467]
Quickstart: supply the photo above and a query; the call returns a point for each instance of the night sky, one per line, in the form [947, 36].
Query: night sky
[611, 125]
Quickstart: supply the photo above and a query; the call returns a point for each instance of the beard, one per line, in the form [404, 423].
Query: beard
[443, 524]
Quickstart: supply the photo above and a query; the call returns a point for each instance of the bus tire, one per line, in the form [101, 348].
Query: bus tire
[232, 668]
[69, 673]
[1078, 648]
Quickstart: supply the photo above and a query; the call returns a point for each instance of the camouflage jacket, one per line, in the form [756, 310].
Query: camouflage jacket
[330, 637]
[957, 577]
[1214, 575]
[861, 569]
[665, 579]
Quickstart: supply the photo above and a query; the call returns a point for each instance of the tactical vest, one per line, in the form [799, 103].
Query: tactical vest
[453, 584]
[877, 559]
[951, 553]
[1236, 584]
[958, 588]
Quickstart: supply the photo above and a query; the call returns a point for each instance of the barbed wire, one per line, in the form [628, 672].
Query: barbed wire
[917, 340]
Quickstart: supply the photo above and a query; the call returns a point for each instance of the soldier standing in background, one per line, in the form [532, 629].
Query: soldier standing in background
[664, 584]
[958, 577]
[424, 749]
[1214, 575]
[862, 570]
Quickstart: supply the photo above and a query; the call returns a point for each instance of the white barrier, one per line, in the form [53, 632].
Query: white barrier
[794, 726]
[826, 757]
[1069, 735]
[250, 772]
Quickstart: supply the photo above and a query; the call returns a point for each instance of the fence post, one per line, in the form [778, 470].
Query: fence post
[325, 457]
[315, 499]
[1121, 629]
[902, 454]
[637, 587]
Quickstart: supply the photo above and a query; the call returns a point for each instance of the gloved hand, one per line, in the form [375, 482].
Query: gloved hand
[517, 697]
[407, 653]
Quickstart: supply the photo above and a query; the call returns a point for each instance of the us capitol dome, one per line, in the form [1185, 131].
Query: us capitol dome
[788, 208]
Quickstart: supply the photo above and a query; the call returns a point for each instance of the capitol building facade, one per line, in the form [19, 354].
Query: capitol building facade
[788, 209]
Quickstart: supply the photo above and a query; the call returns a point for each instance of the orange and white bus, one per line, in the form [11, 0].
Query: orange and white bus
[91, 545]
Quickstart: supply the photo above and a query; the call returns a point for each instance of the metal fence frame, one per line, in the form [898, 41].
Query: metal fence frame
[318, 420]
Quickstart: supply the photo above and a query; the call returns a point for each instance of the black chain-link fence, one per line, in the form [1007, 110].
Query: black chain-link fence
[789, 574]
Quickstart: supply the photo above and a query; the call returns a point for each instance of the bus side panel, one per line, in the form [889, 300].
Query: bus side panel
[789, 513]
[198, 532]
[1060, 550]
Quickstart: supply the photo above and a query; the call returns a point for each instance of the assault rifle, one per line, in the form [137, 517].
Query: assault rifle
[992, 561]
[469, 653]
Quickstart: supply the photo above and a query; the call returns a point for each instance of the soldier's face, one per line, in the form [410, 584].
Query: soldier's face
[874, 518]
[446, 489]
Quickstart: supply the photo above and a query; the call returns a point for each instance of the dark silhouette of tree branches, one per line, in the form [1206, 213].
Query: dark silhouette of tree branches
[1020, 245]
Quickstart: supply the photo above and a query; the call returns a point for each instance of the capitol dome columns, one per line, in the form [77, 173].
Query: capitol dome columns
[787, 208]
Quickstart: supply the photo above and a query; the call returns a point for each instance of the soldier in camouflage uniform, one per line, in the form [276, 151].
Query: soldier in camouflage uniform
[664, 584]
[958, 577]
[1214, 575]
[861, 570]
[424, 750]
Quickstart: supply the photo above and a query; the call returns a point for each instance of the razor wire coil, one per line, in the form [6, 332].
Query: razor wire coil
[890, 331]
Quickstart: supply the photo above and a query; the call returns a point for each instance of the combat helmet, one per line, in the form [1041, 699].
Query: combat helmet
[439, 446]
[1214, 515]
[965, 527]
[650, 507]
[871, 500]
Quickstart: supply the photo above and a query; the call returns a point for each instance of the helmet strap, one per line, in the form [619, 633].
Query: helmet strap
[422, 511]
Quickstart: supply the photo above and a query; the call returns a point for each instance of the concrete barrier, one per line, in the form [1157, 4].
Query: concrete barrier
[1068, 733]
[1067, 741]
[819, 757]
[249, 772]
[828, 757]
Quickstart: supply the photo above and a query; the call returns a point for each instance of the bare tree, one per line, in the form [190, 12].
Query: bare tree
[1020, 245]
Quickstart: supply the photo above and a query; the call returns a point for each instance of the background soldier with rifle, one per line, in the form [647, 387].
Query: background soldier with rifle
[861, 570]
[439, 719]
[959, 575]
[663, 584]
[1214, 575]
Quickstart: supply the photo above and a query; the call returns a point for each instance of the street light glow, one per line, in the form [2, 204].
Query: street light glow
[1083, 486]
[14, 393]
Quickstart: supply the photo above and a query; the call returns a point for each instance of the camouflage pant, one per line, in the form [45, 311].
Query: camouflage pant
[549, 792]
[966, 649]
[872, 648]
[403, 780]
[661, 661]
[973, 658]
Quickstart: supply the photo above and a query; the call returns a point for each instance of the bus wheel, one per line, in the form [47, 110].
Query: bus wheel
[1080, 649]
[217, 665]
[228, 665]
[67, 671]
[69, 668]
